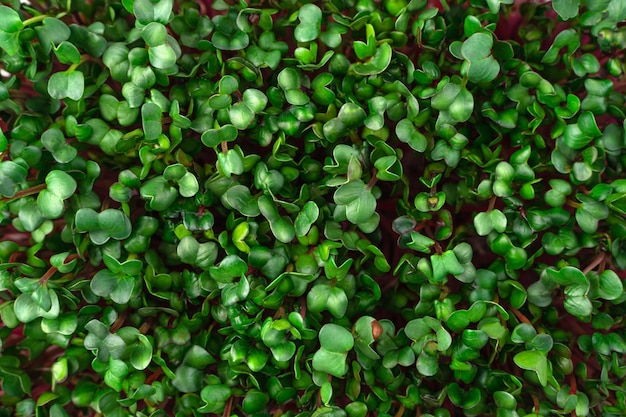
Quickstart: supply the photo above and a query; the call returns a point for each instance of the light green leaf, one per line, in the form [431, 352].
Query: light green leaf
[477, 47]
[162, 56]
[306, 218]
[536, 361]
[566, 9]
[66, 85]
[10, 27]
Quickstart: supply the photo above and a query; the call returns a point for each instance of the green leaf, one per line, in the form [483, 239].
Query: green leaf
[67, 53]
[566, 9]
[483, 223]
[317, 298]
[61, 184]
[255, 100]
[377, 64]
[359, 201]
[159, 193]
[463, 105]
[55, 142]
[188, 185]
[568, 275]
[190, 251]
[10, 27]
[611, 286]
[351, 115]
[241, 116]
[239, 198]
[162, 56]
[484, 70]
[52, 31]
[427, 364]
[536, 361]
[188, 379]
[151, 121]
[232, 266]
[337, 302]
[477, 47]
[215, 397]
[335, 342]
[115, 223]
[66, 85]
[310, 17]
[50, 204]
[214, 137]
[578, 305]
[27, 308]
[230, 42]
[306, 218]
[154, 34]
[118, 287]
[147, 11]
[254, 402]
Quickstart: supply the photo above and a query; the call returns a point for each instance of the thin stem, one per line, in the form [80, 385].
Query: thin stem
[355, 138]
[572, 384]
[119, 322]
[373, 181]
[437, 246]
[574, 204]
[154, 376]
[400, 412]
[143, 329]
[49, 274]
[24, 193]
[228, 408]
[595, 262]
[34, 19]
[520, 315]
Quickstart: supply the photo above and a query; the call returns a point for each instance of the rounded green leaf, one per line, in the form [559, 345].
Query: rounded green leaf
[335, 338]
[154, 34]
[477, 47]
[241, 116]
[188, 185]
[332, 363]
[378, 63]
[10, 27]
[147, 11]
[351, 115]
[306, 218]
[66, 85]
[579, 306]
[67, 53]
[50, 204]
[536, 361]
[407, 133]
[115, 223]
[317, 298]
[337, 302]
[254, 401]
[310, 17]
[483, 223]
[611, 286]
[484, 70]
[162, 56]
[255, 99]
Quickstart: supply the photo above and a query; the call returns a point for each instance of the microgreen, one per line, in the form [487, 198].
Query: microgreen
[346, 208]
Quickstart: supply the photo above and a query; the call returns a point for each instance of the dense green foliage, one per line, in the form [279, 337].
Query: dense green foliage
[342, 208]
